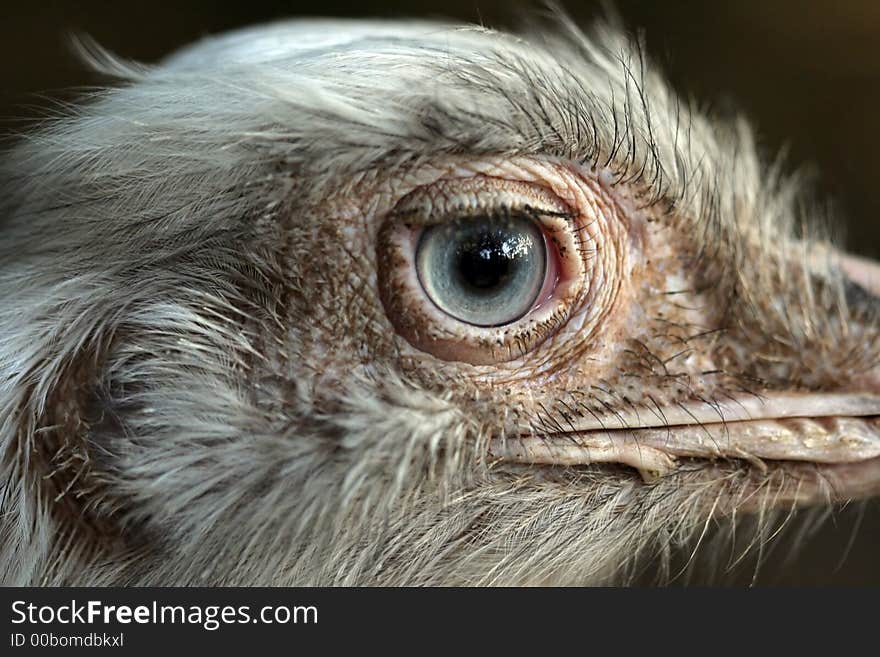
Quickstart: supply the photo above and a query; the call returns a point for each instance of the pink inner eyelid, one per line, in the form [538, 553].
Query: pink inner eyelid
[552, 275]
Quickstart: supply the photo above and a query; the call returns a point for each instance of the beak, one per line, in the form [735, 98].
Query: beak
[827, 444]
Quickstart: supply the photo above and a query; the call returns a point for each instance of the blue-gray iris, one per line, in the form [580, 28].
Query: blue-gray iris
[483, 270]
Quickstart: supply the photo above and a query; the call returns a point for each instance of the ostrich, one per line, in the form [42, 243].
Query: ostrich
[401, 303]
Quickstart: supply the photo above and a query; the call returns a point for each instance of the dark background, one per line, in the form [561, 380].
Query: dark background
[806, 72]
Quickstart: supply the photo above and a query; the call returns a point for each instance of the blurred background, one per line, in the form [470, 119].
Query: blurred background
[807, 73]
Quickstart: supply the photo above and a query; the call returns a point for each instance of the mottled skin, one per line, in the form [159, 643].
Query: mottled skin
[217, 365]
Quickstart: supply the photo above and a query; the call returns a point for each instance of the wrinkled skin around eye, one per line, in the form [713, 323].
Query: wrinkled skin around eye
[588, 244]
[598, 233]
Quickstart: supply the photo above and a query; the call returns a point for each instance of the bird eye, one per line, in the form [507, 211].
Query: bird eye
[486, 270]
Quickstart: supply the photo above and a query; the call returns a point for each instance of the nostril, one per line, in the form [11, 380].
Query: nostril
[864, 275]
[861, 288]
[861, 298]
[862, 285]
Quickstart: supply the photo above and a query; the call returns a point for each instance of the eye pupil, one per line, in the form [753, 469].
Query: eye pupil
[485, 270]
[485, 264]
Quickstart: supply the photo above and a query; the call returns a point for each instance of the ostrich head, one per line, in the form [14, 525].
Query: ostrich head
[399, 303]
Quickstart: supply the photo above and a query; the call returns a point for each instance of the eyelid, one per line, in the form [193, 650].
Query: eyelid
[455, 198]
